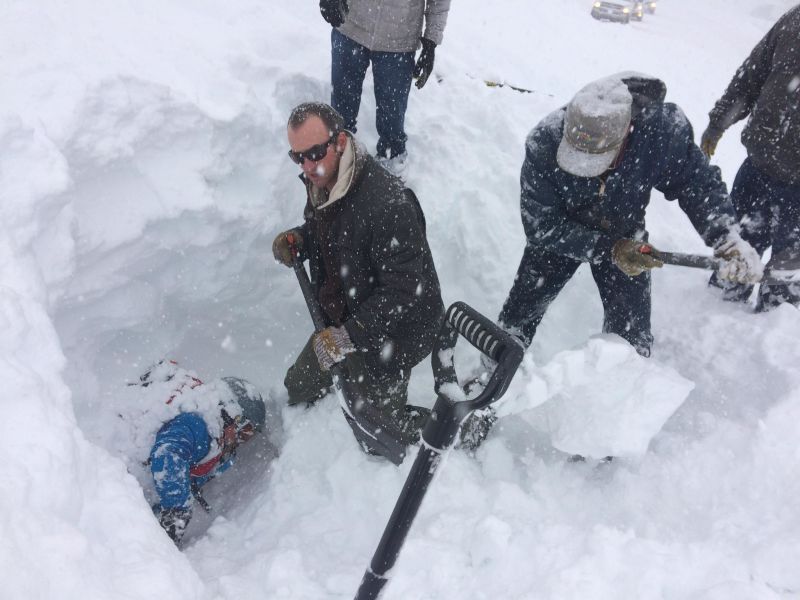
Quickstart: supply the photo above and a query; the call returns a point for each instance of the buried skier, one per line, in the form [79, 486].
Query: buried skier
[371, 269]
[201, 426]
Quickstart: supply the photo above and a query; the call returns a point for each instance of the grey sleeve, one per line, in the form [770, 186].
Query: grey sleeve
[435, 19]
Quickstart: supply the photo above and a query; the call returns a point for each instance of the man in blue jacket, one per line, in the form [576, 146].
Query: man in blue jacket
[200, 441]
[586, 181]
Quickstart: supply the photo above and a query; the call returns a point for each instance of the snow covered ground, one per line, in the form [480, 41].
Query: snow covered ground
[142, 178]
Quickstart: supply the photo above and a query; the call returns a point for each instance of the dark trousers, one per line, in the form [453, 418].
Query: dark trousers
[306, 381]
[542, 275]
[768, 211]
[391, 73]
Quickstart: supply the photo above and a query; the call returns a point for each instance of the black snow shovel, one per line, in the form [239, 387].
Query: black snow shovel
[779, 271]
[373, 430]
[449, 412]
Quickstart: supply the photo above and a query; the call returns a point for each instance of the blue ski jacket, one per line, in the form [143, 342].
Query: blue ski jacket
[582, 217]
[182, 445]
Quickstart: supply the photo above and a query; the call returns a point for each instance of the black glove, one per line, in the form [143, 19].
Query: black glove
[333, 11]
[424, 66]
[174, 522]
[282, 247]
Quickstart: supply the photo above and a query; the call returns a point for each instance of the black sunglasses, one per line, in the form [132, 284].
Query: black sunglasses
[314, 153]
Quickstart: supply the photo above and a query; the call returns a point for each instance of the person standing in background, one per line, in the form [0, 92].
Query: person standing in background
[385, 34]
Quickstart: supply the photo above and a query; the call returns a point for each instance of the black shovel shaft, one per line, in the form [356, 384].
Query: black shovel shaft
[442, 428]
[308, 295]
[422, 472]
[687, 260]
[771, 276]
[372, 428]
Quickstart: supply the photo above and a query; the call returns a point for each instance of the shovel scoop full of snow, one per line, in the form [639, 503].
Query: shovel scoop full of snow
[606, 400]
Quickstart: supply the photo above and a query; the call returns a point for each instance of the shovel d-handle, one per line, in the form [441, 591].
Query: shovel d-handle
[441, 429]
[487, 337]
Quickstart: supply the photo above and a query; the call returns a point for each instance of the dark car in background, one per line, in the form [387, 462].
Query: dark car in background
[611, 11]
[650, 7]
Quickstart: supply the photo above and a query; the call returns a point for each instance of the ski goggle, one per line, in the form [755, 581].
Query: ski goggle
[235, 430]
[315, 153]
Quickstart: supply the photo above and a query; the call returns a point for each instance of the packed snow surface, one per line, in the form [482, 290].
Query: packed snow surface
[144, 175]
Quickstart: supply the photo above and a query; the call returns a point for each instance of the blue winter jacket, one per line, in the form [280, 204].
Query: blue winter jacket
[181, 443]
[582, 217]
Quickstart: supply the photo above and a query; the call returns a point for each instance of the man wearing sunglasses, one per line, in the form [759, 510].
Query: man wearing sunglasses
[192, 429]
[589, 170]
[384, 34]
[371, 266]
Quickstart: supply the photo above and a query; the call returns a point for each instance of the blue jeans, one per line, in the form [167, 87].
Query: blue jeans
[768, 211]
[391, 73]
[541, 277]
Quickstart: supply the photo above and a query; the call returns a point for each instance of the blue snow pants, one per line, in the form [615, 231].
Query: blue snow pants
[391, 73]
[541, 277]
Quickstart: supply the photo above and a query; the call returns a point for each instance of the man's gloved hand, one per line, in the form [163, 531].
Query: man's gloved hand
[709, 140]
[333, 11]
[738, 260]
[174, 522]
[282, 248]
[634, 257]
[424, 66]
[331, 345]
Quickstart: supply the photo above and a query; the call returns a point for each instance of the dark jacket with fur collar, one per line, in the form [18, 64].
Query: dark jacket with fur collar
[372, 268]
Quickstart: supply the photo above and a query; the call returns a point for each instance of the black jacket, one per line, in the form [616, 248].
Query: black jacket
[582, 217]
[375, 246]
[767, 87]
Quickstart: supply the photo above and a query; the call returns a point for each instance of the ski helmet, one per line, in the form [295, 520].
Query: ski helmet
[249, 399]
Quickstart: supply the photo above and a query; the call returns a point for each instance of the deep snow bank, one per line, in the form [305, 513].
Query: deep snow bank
[144, 175]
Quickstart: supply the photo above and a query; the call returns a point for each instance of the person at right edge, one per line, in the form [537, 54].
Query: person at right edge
[586, 181]
[766, 191]
[385, 34]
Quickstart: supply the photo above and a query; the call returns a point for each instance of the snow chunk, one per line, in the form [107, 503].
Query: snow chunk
[608, 400]
[600, 400]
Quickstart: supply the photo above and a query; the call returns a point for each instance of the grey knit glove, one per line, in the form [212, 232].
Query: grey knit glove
[331, 345]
